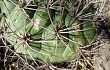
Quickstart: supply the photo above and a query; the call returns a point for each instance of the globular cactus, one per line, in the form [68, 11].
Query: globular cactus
[52, 34]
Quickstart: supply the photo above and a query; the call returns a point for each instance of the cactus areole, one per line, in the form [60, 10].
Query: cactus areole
[47, 37]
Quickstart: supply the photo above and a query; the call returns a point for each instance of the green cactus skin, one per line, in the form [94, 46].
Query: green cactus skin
[75, 34]
[83, 33]
[23, 33]
[40, 18]
[60, 17]
[7, 7]
[78, 36]
[56, 49]
[38, 1]
[89, 31]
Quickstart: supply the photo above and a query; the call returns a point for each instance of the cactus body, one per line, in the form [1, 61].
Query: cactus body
[49, 35]
[7, 7]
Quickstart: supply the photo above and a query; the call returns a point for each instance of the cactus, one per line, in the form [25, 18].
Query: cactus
[49, 35]
[7, 7]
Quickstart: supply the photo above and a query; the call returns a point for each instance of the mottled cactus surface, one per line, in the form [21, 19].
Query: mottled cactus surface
[46, 30]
